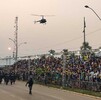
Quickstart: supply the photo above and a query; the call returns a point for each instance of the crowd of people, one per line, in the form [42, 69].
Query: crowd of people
[7, 77]
[49, 70]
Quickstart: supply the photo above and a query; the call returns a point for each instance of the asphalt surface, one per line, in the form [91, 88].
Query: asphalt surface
[19, 91]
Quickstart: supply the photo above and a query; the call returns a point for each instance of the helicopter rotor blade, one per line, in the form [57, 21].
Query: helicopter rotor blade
[42, 15]
[35, 22]
[49, 15]
[35, 15]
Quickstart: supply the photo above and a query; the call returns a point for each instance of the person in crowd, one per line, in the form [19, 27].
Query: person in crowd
[6, 78]
[1, 76]
[30, 84]
[12, 77]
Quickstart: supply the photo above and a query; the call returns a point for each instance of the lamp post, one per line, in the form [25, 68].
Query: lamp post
[16, 48]
[86, 6]
[84, 35]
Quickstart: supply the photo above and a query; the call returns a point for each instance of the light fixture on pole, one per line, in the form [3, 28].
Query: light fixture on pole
[14, 48]
[22, 43]
[86, 6]
[14, 51]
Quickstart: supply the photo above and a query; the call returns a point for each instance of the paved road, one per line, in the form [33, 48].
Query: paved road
[19, 91]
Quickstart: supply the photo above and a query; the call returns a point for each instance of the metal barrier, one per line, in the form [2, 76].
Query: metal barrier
[86, 85]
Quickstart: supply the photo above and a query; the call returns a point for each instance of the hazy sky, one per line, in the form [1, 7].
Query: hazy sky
[62, 31]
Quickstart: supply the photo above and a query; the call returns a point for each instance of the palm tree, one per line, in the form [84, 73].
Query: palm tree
[52, 52]
[65, 51]
[85, 46]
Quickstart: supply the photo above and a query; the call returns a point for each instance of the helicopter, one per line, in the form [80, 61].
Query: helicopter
[42, 20]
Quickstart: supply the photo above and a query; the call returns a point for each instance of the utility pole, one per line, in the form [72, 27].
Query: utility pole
[84, 34]
[16, 38]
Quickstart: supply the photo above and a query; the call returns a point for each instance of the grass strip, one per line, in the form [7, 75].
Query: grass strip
[87, 92]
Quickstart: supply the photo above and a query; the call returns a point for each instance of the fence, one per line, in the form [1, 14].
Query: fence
[86, 85]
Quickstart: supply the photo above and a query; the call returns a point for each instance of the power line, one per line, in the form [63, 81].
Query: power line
[65, 42]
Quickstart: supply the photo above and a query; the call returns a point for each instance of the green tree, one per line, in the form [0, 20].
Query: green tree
[39, 71]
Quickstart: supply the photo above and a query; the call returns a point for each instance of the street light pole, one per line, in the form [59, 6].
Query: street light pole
[18, 44]
[84, 34]
[14, 47]
[86, 6]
